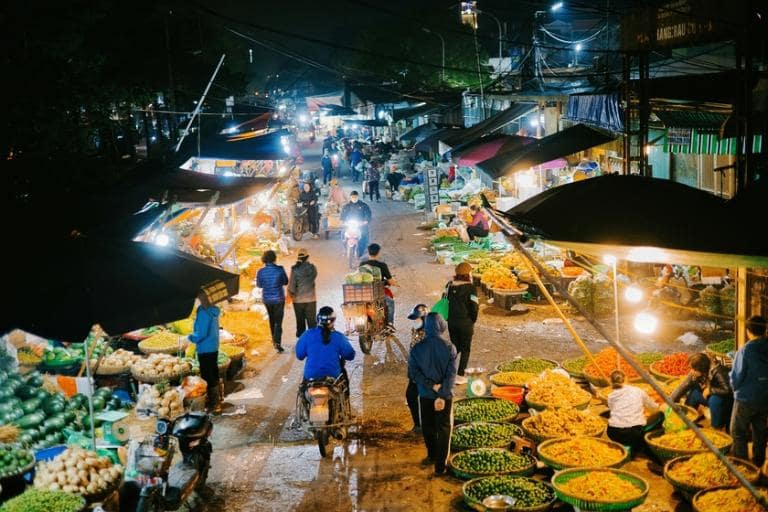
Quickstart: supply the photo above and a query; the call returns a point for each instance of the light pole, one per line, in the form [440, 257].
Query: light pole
[498, 24]
[442, 43]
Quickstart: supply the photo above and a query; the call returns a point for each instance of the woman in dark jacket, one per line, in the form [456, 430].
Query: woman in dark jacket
[308, 196]
[463, 307]
[710, 386]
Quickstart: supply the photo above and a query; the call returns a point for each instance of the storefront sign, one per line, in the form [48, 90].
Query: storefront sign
[431, 190]
[681, 23]
[679, 135]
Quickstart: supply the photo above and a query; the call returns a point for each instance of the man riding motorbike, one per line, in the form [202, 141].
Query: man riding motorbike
[324, 349]
[386, 276]
[360, 212]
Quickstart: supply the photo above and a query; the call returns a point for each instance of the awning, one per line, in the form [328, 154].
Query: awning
[192, 187]
[640, 219]
[488, 147]
[366, 122]
[336, 110]
[407, 113]
[558, 145]
[711, 121]
[490, 125]
[420, 132]
[276, 145]
[431, 143]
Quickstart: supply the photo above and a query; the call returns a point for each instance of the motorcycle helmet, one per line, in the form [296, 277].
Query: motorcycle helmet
[418, 311]
[326, 316]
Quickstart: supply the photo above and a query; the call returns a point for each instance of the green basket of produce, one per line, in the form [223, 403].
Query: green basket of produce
[726, 499]
[35, 500]
[575, 367]
[529, 495]
[527, 364]
[576, 452]
[484, 408]
[15, 461]
[557, 423]
[677, 444]
[693, 473]
[483, 434]
[600, 489]
[519, 379]
[481, 462]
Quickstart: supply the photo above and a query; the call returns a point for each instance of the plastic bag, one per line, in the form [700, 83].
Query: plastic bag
[672, 422]
[194, 386]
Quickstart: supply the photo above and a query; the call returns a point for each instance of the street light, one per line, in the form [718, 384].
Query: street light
[556, 7]
[646, 323]
[578, 48]
[498, 24]
[442, 44]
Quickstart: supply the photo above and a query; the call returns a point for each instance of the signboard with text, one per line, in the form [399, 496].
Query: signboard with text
[431, 190]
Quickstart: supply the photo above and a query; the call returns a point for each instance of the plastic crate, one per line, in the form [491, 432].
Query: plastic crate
[365, 292]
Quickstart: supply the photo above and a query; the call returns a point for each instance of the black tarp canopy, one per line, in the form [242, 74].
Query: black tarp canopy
[641, 219]
[558, 145]
[336, 110]
[487, 126]
[238, 146]
[430, 144]
[423, 131]
[407, 113]
[366, 122]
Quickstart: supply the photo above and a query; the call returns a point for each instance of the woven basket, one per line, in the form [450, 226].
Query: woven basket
[477, 505]
[554, 364]
[102, 495]
[660, 375]
[467, 475]
[540, 438]
[688, 490]
[20, 471]
[505, 403]
[112, 370]
[235, 353]
[574, 374]
[664, 453]
[494, 378]
[165, 350]
[700, 494]
[154, 379]
[540, 407]
[553, 463]
[561, 477]
[501, 444]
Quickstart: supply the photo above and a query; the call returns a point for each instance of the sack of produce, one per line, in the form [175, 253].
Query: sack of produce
[79, 471]
[581, 289]
[161, 400]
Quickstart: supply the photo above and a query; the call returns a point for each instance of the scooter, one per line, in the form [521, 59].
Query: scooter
[154, 485]
[323, 410]
[300, 221]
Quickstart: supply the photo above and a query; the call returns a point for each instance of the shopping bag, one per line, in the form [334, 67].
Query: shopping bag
[672, 422]
[441, 306]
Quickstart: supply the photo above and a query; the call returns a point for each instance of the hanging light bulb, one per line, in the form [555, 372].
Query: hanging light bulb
[633, 294]
[646, 323]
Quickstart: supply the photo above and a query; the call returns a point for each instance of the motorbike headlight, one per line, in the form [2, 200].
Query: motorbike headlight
[353, 224]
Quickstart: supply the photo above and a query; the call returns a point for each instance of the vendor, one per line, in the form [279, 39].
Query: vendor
[478, 226]
[708, 386]
[336, 194]
[627, 419]
[206, 337]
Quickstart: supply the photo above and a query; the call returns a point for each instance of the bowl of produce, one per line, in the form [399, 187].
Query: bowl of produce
[534, 365]
[648, 358]
[554, 390]
[722, 351]
[582, 452]
[600, 489]
[556, 423]
[164, 342]
[234, 352]
[36, 500]
[484, 435]
[15, 461]
[490, 461]
[676, 444]
[693, 473]
[483, 408]
[598, 372]
[80, 471]
[512, 393]
[159, 367]
[575, 366]
[520, 379]
[119, 361]
[529, 495]
[726, 499]
[672, 367]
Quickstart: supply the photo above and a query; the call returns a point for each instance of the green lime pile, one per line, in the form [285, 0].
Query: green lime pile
[648, 358]
[575, 366]
[528, 493]
[484, 409]
[33, 500]
[484, 435]
[722, 347]
[491, 461]
[527, 364]
[13, 459]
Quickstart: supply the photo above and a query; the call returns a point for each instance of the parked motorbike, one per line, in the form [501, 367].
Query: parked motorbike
[300, 221]
[351, 238]
[323, 409]
[154, 485]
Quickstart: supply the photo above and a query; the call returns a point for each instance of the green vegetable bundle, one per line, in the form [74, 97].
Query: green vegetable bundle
[484, 409]
[526, 491]
[723, 347]
[33, 500]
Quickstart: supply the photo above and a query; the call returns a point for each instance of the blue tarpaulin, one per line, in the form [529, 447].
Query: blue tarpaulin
[599, 110]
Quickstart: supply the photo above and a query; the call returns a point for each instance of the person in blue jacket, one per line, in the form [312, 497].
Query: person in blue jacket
[749, 379]
[432, 365]
[272, 279]
[324, 348]
[205, 336]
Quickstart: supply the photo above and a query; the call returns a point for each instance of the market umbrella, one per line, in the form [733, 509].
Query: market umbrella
[638, 219]
[61, 290]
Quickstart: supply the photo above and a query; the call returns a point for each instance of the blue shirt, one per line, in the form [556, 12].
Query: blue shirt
[355, 157]
[323, 360]
[749, 376]
[271, 278]
[205, 333]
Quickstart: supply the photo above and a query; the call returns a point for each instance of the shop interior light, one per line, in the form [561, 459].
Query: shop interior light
[647, 255]
[245, 224]
[609, 259]
[578, 47]
[646, 323]
[633, 294]
[534, 122]
[162, 240]
[282, 171]
[525, 179]
[302, 118]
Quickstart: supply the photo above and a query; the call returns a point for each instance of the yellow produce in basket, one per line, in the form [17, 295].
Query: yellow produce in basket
[553, 423]
[554, 390]
[583, 452]
[603, 486]
[161, 340]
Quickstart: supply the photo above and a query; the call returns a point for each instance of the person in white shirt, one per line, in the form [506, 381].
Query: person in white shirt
[627, 419]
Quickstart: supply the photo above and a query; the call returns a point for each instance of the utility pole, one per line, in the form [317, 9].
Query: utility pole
[442, 43]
